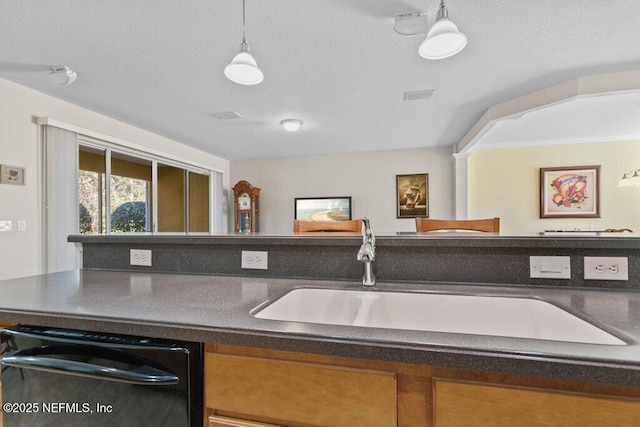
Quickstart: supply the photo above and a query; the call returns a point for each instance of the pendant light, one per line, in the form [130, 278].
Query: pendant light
[243, 69]
[444, 39]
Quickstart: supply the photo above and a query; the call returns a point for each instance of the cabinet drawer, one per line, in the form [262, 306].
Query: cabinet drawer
[477, 404]
[301, 393]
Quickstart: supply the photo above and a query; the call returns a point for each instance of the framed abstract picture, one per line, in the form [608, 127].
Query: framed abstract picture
[412, 195]
[570, 192]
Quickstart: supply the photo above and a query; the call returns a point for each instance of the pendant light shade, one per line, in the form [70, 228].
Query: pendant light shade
[444, 39]
[243, 69]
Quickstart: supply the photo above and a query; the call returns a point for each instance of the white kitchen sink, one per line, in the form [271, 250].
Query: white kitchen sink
[466, 314]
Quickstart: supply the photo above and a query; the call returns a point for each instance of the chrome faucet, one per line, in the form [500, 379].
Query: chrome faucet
[367, 254]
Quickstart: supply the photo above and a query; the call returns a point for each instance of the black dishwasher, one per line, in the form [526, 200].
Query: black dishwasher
[55, 377]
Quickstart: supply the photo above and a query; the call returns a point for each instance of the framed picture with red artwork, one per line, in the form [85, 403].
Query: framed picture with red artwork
[570, 192]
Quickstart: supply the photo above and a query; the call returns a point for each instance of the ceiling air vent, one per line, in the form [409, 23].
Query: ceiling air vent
[418, 94]
[226, 115]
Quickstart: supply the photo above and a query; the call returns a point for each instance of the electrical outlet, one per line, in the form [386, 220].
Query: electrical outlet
[254, 260]
[140, 257]
[5, 226]
[606, 268]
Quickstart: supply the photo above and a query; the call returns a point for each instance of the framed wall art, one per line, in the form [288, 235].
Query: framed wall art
[322, 208]
[570, 192]
[412, 195]
[11, 175]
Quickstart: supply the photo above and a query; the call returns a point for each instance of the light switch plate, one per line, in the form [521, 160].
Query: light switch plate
[550, 267]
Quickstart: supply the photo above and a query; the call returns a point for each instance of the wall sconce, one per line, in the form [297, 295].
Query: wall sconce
[631, 179]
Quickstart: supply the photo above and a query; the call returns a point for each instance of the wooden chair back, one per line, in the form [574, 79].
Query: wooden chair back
[354, 225]
[490, 225]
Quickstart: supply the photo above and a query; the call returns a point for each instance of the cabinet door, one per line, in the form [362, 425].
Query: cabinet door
[300, 393]
[477, 404]
[218, 421]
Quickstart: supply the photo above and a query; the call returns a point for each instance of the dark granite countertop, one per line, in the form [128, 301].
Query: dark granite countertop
[217, 309]
[407, 239]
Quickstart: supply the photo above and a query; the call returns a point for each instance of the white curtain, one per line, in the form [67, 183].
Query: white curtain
[60, 198]
[217, 205]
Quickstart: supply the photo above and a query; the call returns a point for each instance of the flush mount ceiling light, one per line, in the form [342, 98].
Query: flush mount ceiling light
[243, 69]
[291, 125]
[62, 76]
[631, 179]
[444, 39]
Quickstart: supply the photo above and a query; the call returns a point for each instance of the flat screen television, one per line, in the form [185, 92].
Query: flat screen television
[322, 208]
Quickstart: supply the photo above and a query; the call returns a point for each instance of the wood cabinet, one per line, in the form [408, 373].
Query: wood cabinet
[300, 393]
[250, 387]
[218, 421]
[482, 404]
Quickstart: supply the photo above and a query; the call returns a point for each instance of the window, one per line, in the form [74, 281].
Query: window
[116, 194]
[91, 176]
[171, 198]
[198, 202]
[130, 191]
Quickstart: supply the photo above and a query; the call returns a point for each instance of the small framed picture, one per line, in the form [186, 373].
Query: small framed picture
[11, 175]
[412, 195]
[570, 192]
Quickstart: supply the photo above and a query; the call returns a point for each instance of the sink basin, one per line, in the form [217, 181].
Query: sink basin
[466, 314]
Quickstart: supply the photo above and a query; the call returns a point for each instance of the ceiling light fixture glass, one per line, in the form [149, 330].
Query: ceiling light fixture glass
[631, 179]
[291, 125]
[243, 69]
[444, 39]
[62, 76]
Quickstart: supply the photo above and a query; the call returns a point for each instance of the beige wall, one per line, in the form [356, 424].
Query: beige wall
[369, 178]
[20, 252]
[505, 183]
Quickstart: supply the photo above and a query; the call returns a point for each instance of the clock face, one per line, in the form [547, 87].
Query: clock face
[244, 202]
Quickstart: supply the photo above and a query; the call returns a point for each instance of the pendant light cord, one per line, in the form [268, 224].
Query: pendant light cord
[244, 23]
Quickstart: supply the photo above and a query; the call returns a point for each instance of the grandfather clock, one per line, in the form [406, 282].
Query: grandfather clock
[246, 209]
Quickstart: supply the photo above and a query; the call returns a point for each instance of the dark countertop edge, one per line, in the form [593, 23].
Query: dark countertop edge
[508, 362]
[604, 242]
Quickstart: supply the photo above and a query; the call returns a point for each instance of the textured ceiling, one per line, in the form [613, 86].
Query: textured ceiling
[337, 65]
[588, 119]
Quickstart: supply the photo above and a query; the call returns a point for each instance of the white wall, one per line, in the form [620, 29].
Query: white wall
[369, 178]
[20, 252]
[505, 182]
